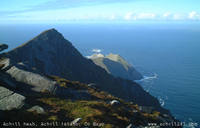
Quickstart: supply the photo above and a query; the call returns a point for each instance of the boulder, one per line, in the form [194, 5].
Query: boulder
[130, 126]
[10, 100]
[92, 85]
[114, 102]
[77, 120]
[37, 109]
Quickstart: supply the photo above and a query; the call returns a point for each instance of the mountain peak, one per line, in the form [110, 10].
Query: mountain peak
[49, 34]
[43, 51]
[117, 58]
[52, 30]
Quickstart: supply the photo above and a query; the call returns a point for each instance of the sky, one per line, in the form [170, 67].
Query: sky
[52, 11]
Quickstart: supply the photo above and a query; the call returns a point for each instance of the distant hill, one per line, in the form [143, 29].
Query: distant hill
[117, 66]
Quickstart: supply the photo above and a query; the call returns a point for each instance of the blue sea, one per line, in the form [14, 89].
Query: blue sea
[167, 54]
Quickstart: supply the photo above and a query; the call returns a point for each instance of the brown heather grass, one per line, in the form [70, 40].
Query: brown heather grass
[80, 86]
[97, 110]
[74, 109]
[153, 115]
[90, 111]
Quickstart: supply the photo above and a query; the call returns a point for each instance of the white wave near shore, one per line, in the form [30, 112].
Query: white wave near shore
[148, 78]
[162, 102]
[155, 76]
[147, 81]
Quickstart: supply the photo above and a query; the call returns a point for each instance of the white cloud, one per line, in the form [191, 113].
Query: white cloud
[128, 16]
[162, 16]
[194, 15]
[181, 16]
[178, 16]
[96, 50]
[166, 14]
[145, 16]
[139, 16]
[112, 17]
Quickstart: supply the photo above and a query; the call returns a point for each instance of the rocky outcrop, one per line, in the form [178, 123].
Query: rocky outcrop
[10, 100]
[117, 66]
[30, 83]
[39, 83]
[12, 73]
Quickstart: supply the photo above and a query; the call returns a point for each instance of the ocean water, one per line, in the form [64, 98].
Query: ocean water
[168, 56]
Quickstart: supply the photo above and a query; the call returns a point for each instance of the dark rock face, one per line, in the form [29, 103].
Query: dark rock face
[3, 47]
[117, 66]
[49, 53]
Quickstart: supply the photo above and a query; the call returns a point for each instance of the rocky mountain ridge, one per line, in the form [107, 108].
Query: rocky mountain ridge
[50, 54]
[33, 73]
